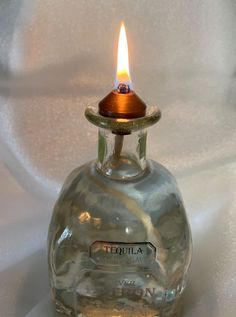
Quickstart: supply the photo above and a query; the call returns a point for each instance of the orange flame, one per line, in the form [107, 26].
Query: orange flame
[122, 73]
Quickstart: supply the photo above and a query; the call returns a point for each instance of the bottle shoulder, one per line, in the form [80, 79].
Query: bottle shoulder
[153, 170]
[156, 184]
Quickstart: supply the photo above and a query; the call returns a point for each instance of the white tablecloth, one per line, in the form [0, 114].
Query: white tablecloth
[56, 57]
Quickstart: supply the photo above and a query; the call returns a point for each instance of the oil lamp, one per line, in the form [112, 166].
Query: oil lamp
[119, 243]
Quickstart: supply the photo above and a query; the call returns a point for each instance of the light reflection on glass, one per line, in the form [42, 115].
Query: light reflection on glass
[84, 217]
[65, 234]
[97, 222]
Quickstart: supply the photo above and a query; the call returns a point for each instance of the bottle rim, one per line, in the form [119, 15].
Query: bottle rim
[122, 125]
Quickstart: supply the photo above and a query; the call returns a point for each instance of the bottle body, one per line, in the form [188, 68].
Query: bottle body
[119, 247]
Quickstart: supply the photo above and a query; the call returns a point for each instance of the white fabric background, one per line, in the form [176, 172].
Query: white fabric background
[56, 57]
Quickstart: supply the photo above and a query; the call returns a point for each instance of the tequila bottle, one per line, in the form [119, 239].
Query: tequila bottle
[119, 241]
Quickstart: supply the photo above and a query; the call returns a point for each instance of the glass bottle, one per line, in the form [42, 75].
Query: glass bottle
[119, 241]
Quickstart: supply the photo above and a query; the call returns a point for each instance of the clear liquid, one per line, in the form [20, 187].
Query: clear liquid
[115, 277]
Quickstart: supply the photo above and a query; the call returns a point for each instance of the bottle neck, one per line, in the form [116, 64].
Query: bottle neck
[121, 156]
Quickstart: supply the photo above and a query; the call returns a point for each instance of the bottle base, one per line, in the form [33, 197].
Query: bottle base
[171, 309]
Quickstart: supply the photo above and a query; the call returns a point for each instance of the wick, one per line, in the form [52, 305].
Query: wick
[119, 139]
[123, 89]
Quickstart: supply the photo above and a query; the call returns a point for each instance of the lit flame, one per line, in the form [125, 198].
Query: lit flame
[122, 73]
